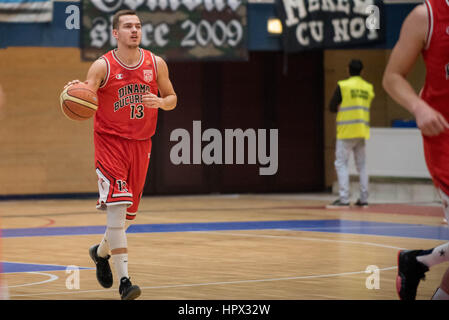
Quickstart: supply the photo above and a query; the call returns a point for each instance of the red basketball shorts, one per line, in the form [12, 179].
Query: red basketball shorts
[121, 166]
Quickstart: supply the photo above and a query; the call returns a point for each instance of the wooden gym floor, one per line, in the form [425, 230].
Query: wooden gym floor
[220, 247]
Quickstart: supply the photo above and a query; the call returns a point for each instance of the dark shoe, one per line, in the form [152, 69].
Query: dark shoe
[410, 272]
[361, 204]
[127, 290]
[337, 204]
[104, 273]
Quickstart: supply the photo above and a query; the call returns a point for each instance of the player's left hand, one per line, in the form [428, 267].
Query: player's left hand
[151, 100]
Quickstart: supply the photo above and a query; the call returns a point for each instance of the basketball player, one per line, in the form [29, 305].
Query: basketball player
[425, 31]
[127, 81]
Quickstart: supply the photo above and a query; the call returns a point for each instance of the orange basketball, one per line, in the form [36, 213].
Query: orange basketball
[78, 102]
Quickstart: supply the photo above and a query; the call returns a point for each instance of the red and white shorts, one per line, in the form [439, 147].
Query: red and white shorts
[121, 166]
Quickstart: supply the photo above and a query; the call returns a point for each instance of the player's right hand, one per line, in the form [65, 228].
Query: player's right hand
[71, 83]
[429, 121]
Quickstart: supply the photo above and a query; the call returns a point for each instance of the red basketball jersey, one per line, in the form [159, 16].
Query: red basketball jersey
[120, 109]
[436, 88]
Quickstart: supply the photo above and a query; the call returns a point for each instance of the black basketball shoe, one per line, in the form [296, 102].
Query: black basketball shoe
[104, 273]
[127, 290]
[410, 272]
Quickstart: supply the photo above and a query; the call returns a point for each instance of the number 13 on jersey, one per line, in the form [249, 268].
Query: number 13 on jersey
[137, 112]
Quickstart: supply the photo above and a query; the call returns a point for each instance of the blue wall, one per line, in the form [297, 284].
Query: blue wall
[55, 34]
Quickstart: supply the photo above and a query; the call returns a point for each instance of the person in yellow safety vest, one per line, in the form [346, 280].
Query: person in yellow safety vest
[352, 101]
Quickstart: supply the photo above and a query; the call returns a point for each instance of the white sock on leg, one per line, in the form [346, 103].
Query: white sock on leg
[121, 264]
[116, 239]
[103, 248]
[436, 256]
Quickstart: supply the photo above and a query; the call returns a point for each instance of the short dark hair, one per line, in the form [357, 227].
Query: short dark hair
[355, 67]
[118, 14]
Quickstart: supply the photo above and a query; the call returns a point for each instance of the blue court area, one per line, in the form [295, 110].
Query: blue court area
[13, 267]
[331, 226]
[334, 226]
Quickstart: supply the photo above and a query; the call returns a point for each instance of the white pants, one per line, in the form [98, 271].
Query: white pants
[343, 151]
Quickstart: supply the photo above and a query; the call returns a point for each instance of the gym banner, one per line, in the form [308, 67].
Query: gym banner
[26, 11]
[180, 30]
[327, 24]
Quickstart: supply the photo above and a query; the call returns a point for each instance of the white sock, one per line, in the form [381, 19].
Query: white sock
[445, 203]
[436, 256]
[440, 295]
[103, 248]
[121, 264]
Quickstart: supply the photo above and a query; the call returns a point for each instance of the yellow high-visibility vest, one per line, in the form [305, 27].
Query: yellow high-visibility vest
[354, 114]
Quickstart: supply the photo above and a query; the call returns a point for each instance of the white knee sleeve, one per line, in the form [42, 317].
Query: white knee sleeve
[116, 216]
[116, 238]
[115, 231]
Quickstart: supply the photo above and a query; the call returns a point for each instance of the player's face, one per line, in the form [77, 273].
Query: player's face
[129, 32]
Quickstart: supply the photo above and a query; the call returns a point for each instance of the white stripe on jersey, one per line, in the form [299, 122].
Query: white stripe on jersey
[430, 27]
[155, 64]
[108, 72]
[139, 64]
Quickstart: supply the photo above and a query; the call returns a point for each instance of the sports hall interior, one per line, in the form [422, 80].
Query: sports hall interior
[214, 231]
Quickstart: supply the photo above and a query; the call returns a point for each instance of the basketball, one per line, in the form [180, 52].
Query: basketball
[78, 102]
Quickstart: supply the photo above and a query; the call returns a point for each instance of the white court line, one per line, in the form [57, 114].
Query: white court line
[300, 238]
[240, 281]
[52, 278]
[208, 283]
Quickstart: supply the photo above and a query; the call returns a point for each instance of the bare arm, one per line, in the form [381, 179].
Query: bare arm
[95, 75]
[168, 99]
[403, 57]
